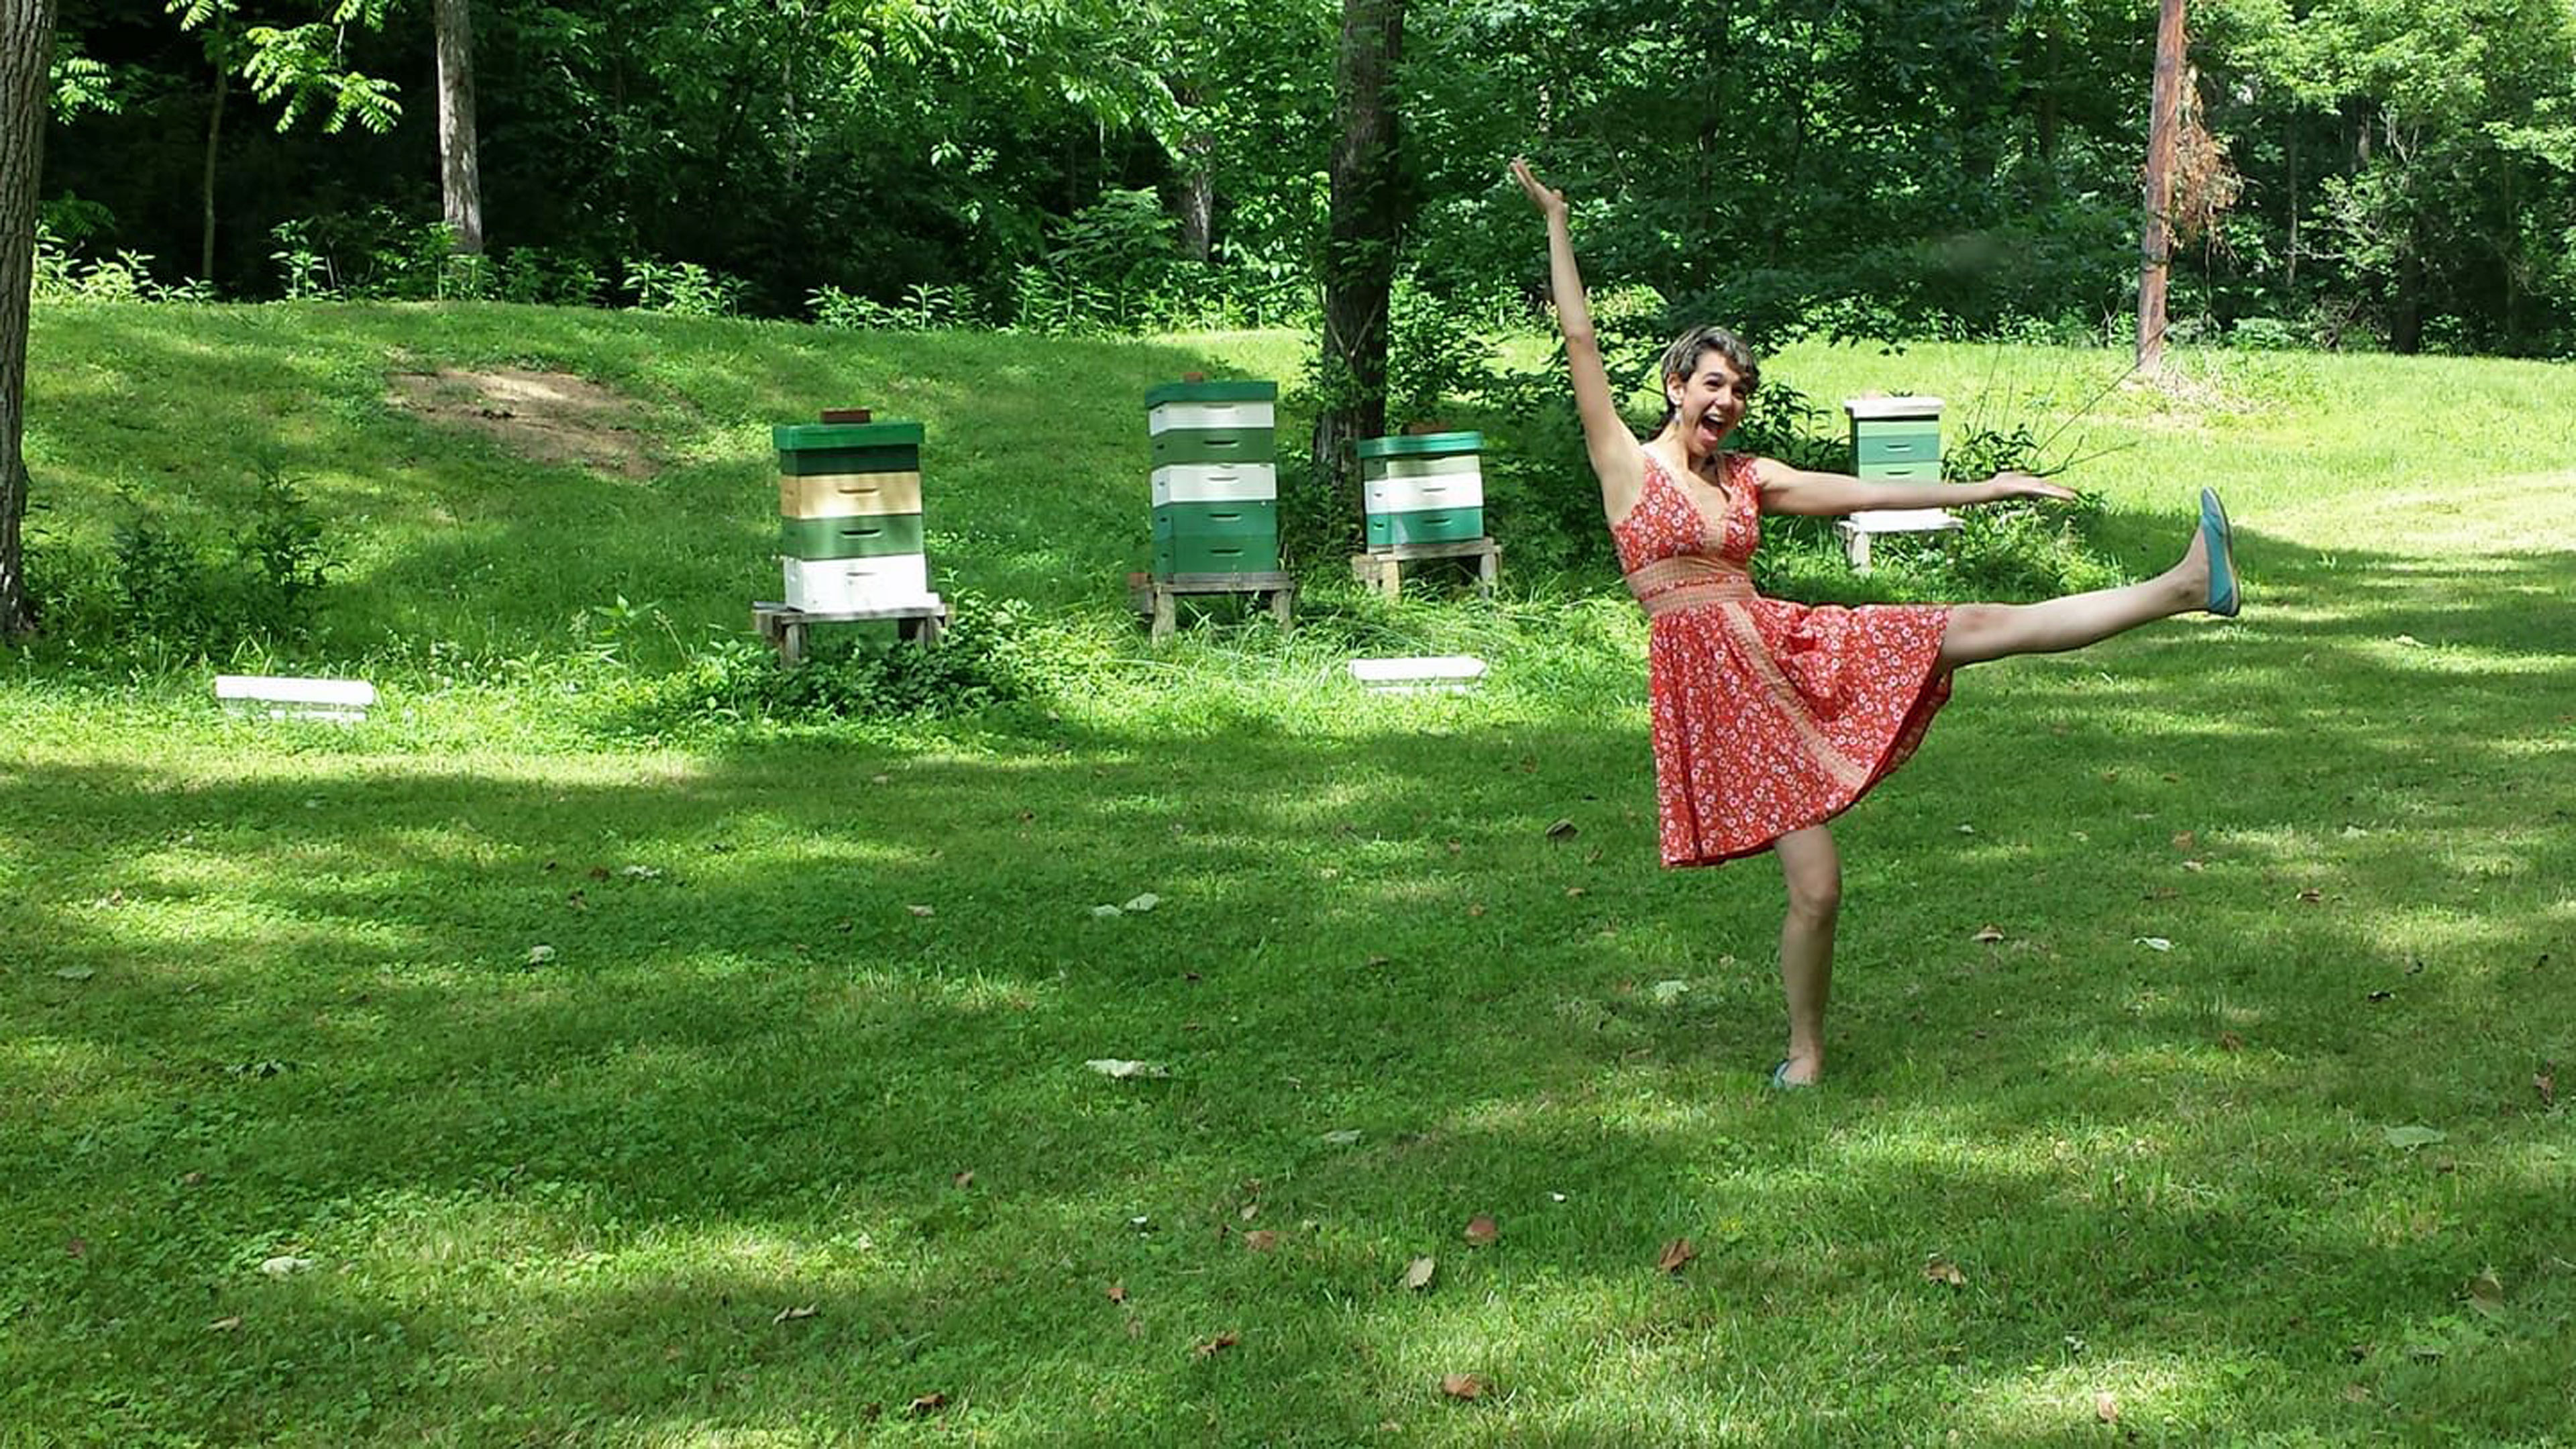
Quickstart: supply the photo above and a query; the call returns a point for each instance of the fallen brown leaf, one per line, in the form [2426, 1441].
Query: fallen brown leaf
[2545, 1082]
[1217, 1345]
[2355, 1394]
[927, 1404]
[1455, 847]
[1118, 1292]
[1250, 1211]
[1462, 1386]
[598, 872]
[1261, 1240]
[1482, 1230]
[191, 1179]
[2229, 1041]
[1989, 935]
[1676, 1256]
[963, 1179]
[2106, 1408]
[77, 1247]
[2487, 1290]
[2183, 840]
[1417, 1274]
[1938, 1269]
[1476, 910]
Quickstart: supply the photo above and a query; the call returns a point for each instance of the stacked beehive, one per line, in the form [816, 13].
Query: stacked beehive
[1216, 489]
[1896, 439]
[1422, 488]
[849, 518]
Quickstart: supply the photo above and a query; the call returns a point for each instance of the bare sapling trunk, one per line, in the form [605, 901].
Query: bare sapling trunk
[26, 58]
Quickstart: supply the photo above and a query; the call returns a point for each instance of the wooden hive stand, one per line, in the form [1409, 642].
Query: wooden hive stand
[1157, 601]
[1382, 569]
[920, 622]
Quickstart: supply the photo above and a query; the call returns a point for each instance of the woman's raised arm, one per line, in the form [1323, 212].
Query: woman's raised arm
[1605, 435]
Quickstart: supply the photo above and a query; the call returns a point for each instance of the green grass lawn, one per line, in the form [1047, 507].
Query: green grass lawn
[790, 1127]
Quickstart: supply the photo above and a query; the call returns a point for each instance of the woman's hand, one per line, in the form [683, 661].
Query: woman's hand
[1549, 201]
[2022, 485]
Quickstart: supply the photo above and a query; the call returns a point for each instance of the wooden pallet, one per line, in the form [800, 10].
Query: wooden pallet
[1383, 568]
[784, 627]
[1858, 529]
[1157, 601]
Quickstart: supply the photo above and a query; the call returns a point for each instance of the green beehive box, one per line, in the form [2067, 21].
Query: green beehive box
[1191, 553]
[1438, 525]
[1895, 437]
[1374, 452]
[1211, 445]
[807, 449]
[863, 535]
[1238, 390]
[1216, 538]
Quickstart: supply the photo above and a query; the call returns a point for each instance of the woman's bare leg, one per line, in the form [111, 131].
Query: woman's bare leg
[1979, 632]
[1814, 872]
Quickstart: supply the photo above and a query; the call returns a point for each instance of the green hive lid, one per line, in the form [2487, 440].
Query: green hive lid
[1412, 445]
[1241, 390]
[806, 436]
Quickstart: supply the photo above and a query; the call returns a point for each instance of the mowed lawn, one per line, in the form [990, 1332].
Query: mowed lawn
[488, 1073]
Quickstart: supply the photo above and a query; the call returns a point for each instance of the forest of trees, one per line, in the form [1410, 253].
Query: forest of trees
[2392, 173]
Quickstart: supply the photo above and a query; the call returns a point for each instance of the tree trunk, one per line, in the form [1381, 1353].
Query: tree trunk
[460, 180]
[1196, 158]
[1367, 223]
[214, 135]
[2155, 242]
[26, 57]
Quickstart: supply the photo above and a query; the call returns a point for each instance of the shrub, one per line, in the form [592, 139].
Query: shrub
[987, 657]
[196, 596]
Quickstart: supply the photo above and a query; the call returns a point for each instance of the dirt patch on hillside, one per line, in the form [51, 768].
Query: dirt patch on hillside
[548, 417]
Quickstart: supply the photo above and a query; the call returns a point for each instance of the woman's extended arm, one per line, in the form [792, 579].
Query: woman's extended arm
[1606, 438]
[1794, 490]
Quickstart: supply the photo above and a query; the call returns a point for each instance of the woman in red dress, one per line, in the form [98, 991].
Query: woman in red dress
[1769, 717]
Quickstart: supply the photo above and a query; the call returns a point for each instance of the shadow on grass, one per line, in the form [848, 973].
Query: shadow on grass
[580, 1194]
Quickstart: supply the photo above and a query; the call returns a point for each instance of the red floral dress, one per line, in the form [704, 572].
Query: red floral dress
[1767, 716]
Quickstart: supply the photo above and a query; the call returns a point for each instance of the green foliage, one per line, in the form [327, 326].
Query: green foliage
[683, 289]
[989, 656]
[924, 307]
[60, 276]
[183, 592]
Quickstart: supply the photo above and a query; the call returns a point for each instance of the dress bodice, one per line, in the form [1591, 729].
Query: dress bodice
[1670, 519]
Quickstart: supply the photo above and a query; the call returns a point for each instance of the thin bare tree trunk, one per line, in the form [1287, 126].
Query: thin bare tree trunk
[214, 134]
[2155, 244]
[26, 55]
[1367, 224]
[460, 179]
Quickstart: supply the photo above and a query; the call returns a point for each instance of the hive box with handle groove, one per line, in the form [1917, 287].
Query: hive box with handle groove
[1215, 486]
[850, 516]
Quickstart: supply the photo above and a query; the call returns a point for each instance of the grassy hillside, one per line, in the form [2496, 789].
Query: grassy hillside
[729, 1085]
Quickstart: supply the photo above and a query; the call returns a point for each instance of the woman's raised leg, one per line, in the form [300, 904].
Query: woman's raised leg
[1979, 632]
[1814, 872]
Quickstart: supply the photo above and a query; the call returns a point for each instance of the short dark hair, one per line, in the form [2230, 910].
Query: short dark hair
[1682, 359]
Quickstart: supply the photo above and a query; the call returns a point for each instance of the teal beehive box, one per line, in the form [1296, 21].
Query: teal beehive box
[1422, 488]
[1215, 484]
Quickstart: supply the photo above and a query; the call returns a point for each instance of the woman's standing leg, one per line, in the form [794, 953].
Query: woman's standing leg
[1814, 872]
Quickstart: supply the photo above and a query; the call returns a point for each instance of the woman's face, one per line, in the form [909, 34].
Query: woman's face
[1709, 403]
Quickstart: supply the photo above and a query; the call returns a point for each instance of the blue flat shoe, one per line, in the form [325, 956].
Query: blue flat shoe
[2219, 542]
[1780, 1079]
